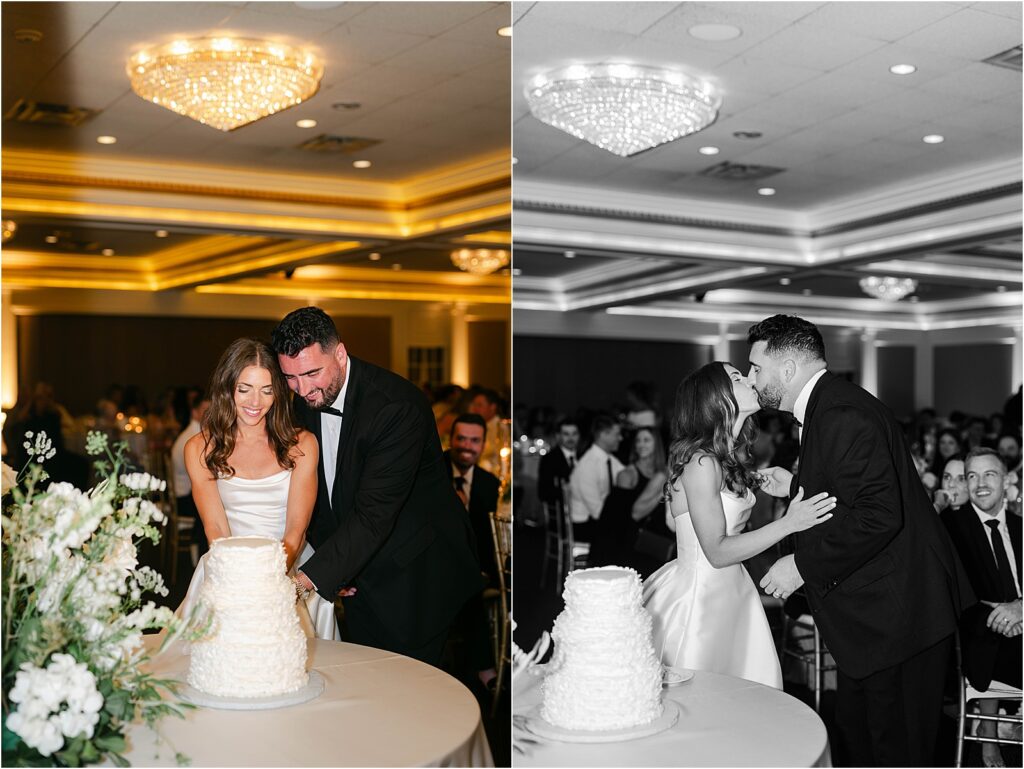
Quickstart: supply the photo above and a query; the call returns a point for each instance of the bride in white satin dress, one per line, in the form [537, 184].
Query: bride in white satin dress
[253, 472]
[707, 613]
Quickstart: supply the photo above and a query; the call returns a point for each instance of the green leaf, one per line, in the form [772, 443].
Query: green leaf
[117, 759]
[112, 743]
[89, 754]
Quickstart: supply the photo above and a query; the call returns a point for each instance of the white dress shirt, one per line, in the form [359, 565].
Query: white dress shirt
[330, 434]
[590, 483]
[1004, 532]
[182, 483]
[800, 407]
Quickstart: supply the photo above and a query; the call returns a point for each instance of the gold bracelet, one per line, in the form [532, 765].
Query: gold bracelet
[301, 591]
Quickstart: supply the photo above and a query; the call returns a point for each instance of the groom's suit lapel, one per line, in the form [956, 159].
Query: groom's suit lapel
[812, 405]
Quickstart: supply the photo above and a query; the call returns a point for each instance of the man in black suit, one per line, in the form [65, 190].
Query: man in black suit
[477, 489]
[988, 539]
[387, 525]
[883, 581]
[556, 466]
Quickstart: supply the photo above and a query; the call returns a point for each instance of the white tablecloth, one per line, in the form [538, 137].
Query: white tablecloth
[723, 721]
[378, 709]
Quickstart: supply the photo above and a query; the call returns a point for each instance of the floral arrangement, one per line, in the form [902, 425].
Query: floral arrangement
[73, 614]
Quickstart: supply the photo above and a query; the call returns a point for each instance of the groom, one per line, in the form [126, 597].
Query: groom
[882, 579]
[387, 521]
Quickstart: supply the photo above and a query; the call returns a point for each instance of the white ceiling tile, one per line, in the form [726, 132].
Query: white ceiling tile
[432, 18]
[982, 82]
[756, 21]
[629, 17]
[874, 68]
[794, 46]
[483, 29]
[968, 33]
[252, 23]
[1007, 10]
[766, 76]
[438, 56]
[887, 20]
[698, 61]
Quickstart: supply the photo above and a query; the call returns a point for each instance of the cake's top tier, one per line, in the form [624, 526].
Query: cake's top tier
[260, 553]
[607, 585]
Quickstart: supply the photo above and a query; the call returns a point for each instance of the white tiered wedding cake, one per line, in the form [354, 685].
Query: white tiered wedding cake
[604, 674]
[256, 647]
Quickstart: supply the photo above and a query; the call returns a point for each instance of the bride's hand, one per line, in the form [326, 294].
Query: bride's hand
[776, 481]
[805, 513]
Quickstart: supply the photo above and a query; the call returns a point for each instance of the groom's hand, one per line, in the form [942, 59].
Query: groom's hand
[782, 578]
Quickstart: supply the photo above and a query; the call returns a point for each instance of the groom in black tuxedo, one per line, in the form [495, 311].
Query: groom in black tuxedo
[387, 521]
[882, 578]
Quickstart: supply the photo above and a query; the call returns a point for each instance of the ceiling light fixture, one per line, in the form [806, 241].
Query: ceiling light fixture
[766, 191]
[715, 32]
[570, 254]
[785, 281]
[396, 267]
[225, 82]
[361, 164]
[903, 69]
[305, 123]
[106, 140]
[374, 257]
[709, 150]
[504, 31]
[107, 252]
[887, 289]
[161, 233]
[623, 108]
[480, 261]
[933, 139]
[516, 272]
[51, 238]
[10, 227]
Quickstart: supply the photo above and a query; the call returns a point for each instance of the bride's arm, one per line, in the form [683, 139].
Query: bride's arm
[649, 496]
[301, 495]
[204, 491]
[702, 481]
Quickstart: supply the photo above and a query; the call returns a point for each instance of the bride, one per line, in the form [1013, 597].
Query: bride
[707, 613]
[253, 471]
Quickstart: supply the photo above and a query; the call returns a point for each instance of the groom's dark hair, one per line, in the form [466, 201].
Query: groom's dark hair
[302, 328]
[788, 333]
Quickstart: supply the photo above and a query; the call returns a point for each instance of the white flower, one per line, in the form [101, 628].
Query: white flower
[41, 450]
[8, 479]
[142, 482]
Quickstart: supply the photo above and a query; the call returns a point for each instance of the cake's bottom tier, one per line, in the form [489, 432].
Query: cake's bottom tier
[237, 670]
[594, 701]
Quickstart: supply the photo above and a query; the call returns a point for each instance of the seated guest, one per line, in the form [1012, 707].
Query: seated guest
[477, 489]
[988, 541]
[953, 489]
[182, 483]
[557, 465]
[592, 480]
[947, 445]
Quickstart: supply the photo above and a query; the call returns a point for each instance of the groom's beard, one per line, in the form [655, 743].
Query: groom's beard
[770, 396]
[321, 398]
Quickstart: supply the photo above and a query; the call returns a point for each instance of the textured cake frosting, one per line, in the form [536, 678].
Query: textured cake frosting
[604, 674]
[256, 647]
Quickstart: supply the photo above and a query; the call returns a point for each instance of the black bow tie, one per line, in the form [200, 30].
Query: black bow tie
[798, 422]
[330, 410]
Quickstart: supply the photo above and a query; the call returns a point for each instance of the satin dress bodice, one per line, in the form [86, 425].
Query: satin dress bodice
[258, 507]
[707, 618]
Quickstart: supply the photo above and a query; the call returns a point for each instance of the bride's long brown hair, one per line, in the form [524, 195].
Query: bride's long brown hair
[220, 421]
[704, 416]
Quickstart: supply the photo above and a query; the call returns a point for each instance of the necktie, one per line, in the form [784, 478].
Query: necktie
[330, 410]
[460, 483]
[611, 481]
[572, 462]
[1002, 562]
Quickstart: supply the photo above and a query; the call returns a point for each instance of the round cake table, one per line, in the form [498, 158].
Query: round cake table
[378, 709]
[723, 721]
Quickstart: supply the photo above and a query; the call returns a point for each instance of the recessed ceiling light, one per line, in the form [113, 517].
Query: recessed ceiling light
[933, 139]
[50, 238]
[715, 32]
[361, 164]
[766, 191]
[305, 123]
[806, 292]
[514, 160]
[504, 31]
[396, 267]
[107, 252]
[903, 69]
[161, 233]
[570, 254]
[1001, 289]
[784, 281]
[106, 140]
[516, 272]
[709, 150]
[374, 257]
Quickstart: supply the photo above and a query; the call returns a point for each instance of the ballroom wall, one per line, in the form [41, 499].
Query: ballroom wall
[972, 378]
[81, 355]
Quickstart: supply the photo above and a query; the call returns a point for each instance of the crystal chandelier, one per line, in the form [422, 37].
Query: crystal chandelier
[622, 108]
[479, 261]
[225, 82]
[887, 289]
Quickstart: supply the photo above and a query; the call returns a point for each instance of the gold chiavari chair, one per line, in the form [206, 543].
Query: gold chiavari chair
[501, 535]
